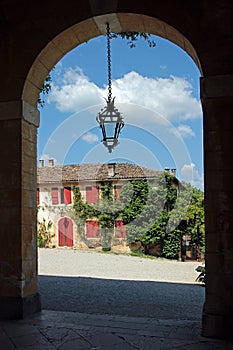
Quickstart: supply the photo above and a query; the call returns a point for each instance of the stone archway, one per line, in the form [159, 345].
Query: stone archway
[50, 34]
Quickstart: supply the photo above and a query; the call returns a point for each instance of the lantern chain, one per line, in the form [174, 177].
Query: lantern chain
[109, 63]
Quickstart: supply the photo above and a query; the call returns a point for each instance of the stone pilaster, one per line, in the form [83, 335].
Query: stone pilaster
[18, 248]
[217, 103]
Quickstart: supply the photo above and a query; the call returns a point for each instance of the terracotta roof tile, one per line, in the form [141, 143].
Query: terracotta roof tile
[87, 172]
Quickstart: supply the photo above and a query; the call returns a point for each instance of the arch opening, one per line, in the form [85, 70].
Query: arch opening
[159, 29]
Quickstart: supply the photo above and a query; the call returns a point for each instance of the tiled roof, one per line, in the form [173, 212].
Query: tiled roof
[88, 172]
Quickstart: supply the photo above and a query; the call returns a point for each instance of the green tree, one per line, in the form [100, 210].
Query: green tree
[144, 209]
[163, 213]
[149, 225]
[187, 218]
[196, 221]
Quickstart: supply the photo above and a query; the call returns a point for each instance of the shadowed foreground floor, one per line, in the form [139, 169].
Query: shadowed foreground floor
[59, 330]
[160, 300]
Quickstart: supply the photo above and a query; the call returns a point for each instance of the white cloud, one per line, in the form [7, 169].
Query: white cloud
[163, 67]
[185, 130]
[187, 171]
[170, 97]
[75, 92]
[89, 137]
[190, 174]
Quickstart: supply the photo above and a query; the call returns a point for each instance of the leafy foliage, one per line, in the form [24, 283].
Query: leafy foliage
[44, 236]
[148, 213]
[45, 90]
[196, 221]
[202, 274]
[187, 217]
[106, 210]
[156, 212]
[132, 37]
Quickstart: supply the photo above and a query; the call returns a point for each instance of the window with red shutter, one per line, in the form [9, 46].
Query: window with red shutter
[92, 229]
[38, 196]
[55, 195]
[92, 194]
[120, 229]
[117, 191]
[67, 195]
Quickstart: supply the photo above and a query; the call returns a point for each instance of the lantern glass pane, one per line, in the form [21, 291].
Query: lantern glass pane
[110, 129]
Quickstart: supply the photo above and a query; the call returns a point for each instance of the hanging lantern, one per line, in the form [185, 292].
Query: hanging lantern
[109, 118]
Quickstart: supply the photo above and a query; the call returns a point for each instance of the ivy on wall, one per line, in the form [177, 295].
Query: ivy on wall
[106, 211]
[154, 212]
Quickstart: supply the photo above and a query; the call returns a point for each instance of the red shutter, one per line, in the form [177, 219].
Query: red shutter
[54, 195]
[120, 229]
[38, 196]
[92, 194]
[67, 195]
[92, 229]
[116, 191]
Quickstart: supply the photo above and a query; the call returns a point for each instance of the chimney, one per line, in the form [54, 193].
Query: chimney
[51, 162]
[111, 169]
[41, 162]
[173, 172]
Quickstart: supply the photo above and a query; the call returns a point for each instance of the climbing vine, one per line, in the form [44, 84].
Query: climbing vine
[159, 212]
[105, 211]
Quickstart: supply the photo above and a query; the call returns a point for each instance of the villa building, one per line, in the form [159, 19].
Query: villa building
[55, 198]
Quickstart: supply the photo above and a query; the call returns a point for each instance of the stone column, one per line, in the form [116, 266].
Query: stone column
[217, 103]
[18, 215]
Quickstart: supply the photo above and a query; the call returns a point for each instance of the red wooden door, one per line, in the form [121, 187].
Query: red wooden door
[65, 232]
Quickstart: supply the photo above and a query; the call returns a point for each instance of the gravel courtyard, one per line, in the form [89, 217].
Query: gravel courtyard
[102, 283]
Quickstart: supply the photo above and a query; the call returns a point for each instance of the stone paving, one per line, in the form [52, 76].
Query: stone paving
[51, 330]
[91, 329]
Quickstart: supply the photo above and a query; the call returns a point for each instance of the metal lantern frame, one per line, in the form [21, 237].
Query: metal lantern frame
[109, 115]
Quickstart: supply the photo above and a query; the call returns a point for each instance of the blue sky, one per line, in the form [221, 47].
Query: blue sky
[157, 91]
